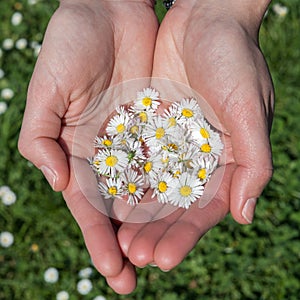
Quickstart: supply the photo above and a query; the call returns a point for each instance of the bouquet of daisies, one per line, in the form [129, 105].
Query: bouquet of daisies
[172, 150]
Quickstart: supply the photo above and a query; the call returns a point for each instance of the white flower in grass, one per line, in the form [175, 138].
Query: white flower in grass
[8, 44]
[9, 198]
[37, 49]
[188, 110]
[84, 286]
[204, 167]
[16, 18]
[162, 187]
[112, 188]
[112, 161]
[62, 295]
[133, 183]
[21, 44]
[147, 99]
[280, 10]
[6, 239]
[7, 93]
[186, 189]
[118, 124]
[85, 273]
[51, 275]
[4, 189]
[99, 298]
[3, 107]
[1, 73]
[32, 2]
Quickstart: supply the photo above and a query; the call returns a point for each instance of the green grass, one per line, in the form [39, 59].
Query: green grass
[231, 262]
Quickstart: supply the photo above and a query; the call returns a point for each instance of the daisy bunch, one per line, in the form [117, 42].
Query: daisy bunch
[173, 152]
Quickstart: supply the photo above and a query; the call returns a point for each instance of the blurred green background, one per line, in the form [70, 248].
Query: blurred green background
[232, 261]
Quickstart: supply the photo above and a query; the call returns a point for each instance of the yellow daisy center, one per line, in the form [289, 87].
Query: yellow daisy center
[107, 143]
[148, 166]
[202, 174]
[134, 129]
[111, 161]
[147, 101]
[188, 113]
[205, 134]
[205, 148]
[172, 122]
[185, 191]
[112, 190]
[120, 128]
[162, 186]
[143, 117]
[160, 132]
[131, 187]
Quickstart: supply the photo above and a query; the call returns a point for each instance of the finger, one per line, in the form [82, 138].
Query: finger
[125, 282]
[252, 154]
[41, 128]
[97, 230]
[182, 235]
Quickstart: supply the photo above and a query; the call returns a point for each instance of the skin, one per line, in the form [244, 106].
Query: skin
[216, 51]
[210, 46]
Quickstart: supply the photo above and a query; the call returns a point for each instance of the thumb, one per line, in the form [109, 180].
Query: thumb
[41, 127]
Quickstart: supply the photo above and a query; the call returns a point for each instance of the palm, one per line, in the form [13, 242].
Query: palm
[88, 47]
[225, 67]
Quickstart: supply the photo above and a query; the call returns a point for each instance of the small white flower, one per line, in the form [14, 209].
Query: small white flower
[84, 286]
[21, 44]
[99, 298]
[16, 18]
[171, 115]
[212, 146]
[186, 189]
[201, 131]
[4, 189]
[112, 161]
[280, 10]
[188, 110]
[85, 273]
[9, 198]
[7, 93]
[3, 107]
[6, 239]
[147, 99]
[32, 2]
[133, 186]
[112, 188]
[8, 44]
[204, 167]
[135, 153]
[62, 295]
[1, 73]
[51, 275]
[117, 125]
[162, 187]
[37, 49]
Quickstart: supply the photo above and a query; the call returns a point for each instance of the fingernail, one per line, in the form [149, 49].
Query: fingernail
[50, 175]
[248, 210]
[152, 264]
[165, 271]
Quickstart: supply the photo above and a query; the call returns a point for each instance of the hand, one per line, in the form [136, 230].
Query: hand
[88, 46]
[213, 47]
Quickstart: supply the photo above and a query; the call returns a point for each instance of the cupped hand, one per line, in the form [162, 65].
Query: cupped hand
[88, 47]
[213, 48]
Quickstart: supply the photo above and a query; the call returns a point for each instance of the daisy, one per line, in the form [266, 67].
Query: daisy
[112, 188]
[1, 73]
[51, 275]
[109, 142]
[16, 18]
[162, 187]
[3, 107]
[135, 153]
[133, 186]
[21, 44]
[186, 189]
[62, 295]
[201, 131]
[204, 167]
[171, 115]
[118, 124]
[212, 146]
[8, 44]
[99, 298]
[3, 190]
[147, 99]
[84, 286]
[280, 10]
[155, 132]
[9, 198]
[85, 273]
[111, 161]
[188, 110]
[7, 93]
[6, 239]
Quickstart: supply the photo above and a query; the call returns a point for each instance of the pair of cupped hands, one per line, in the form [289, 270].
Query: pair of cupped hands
[211, 46]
